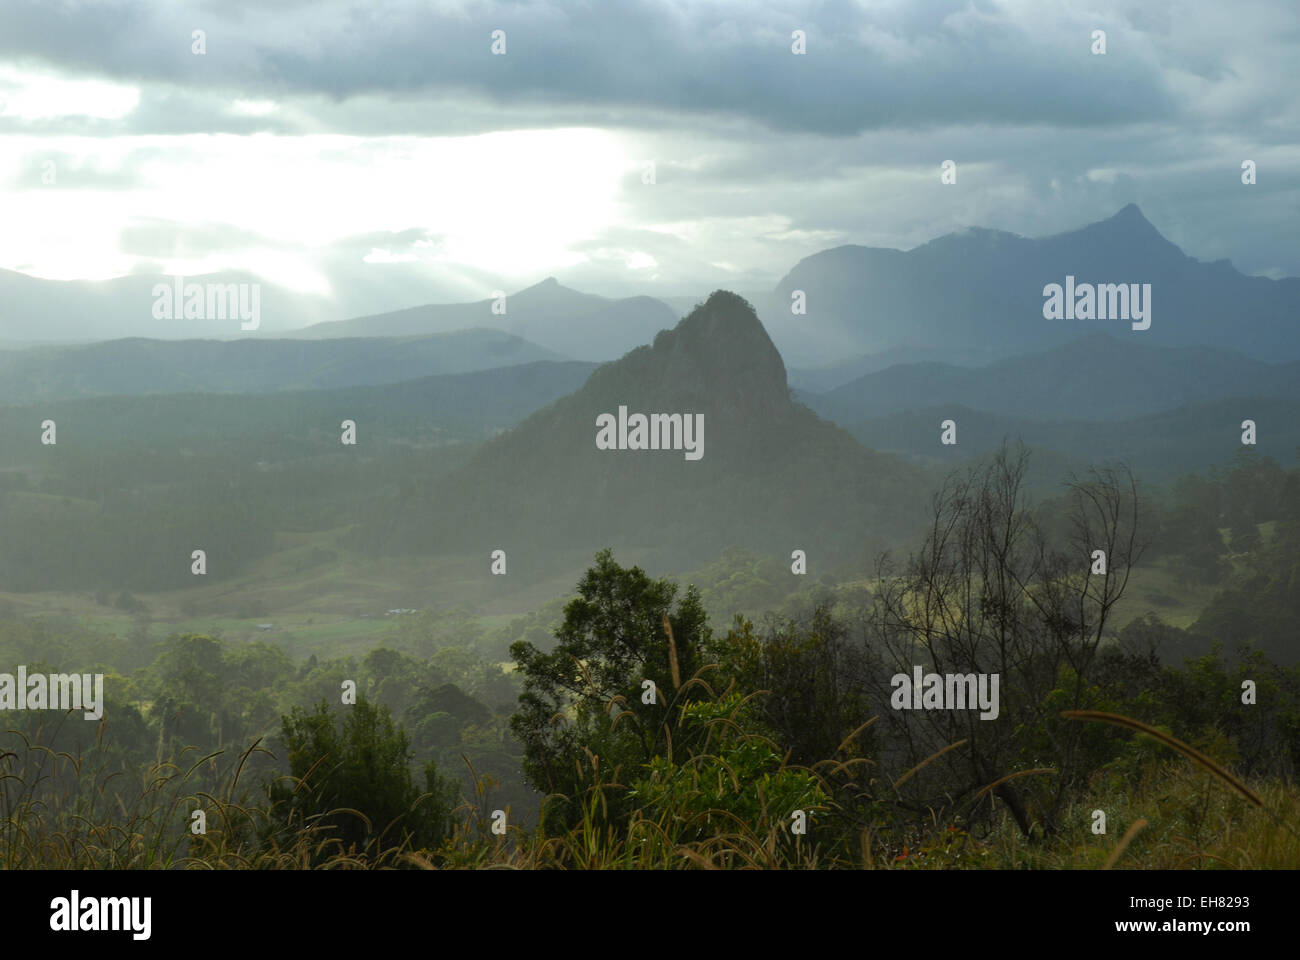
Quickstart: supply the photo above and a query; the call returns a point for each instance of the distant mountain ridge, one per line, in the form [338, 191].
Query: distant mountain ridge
[52, 311]
[1159, 446]
[978, 294]
[826, 377]
[444, 409]
[579, 325]
[1098, 377]
[140, 366]
[965, 298]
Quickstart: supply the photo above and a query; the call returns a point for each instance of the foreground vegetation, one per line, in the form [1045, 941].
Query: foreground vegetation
[623, 729]
[1165, 812]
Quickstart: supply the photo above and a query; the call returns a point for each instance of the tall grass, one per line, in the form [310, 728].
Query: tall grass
[64, 811]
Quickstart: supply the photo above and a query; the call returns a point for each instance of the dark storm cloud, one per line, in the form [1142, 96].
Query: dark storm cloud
[921, 64]
[771, 155]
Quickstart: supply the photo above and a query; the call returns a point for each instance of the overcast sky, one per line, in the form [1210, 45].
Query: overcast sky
[381, 153]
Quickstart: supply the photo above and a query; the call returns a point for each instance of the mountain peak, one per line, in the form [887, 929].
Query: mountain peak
[732, 459]
[1130, 221]
[1127, 231]
[725, 336]
[1130, 214]
[551, 286]
[723, 315]
[718, 358]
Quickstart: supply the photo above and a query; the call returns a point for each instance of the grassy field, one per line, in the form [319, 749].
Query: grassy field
[1152, 588]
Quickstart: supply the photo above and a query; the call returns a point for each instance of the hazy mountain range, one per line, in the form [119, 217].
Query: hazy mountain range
[446, 408]
[1097, 377]
[978, 295]
[1159, 446]
[138, 366]
[895, 343]
[579, 325]
[46, 311]
[966, 297]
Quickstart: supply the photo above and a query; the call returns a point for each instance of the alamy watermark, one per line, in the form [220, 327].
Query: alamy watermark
[949, 691]
[53, 691]
[209, 301]
[76, 913]
[657, 431]
[1103, 301]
